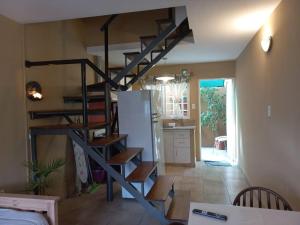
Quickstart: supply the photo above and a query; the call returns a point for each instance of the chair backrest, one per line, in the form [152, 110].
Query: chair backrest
[261, 197]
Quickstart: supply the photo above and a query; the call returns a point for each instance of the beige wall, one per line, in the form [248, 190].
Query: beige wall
[49, 41]
[198, 71]
[269, 147]
[13, 176]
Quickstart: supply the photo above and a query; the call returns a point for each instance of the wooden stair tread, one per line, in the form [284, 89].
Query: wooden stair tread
[161, 188]
[148, 37]
[142, 172]
[109, 140]
[180, 206]
[98, 86]
[130, 53]
[157, 51]
[70, 126]
[61, 110]
[163, 21]
[125, 156]
[130, 75]
[144, 63]
[173, 35]
[163, 24]
[116, 68]
[78, 99]
[146, 40]
[37, 114]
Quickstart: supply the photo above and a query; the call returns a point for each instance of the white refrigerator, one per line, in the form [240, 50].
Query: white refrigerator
[139, 116]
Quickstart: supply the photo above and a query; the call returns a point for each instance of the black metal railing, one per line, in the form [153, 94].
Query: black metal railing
[105, 29]
[98, 71]
[83, 63]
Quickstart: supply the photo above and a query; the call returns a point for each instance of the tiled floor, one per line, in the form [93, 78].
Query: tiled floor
[213, 154]
[206, 184]
[209, 184]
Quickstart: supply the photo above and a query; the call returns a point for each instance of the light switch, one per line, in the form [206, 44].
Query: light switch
[193, 106]
[269, 109]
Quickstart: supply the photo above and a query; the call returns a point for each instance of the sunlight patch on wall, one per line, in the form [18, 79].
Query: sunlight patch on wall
[253, 21]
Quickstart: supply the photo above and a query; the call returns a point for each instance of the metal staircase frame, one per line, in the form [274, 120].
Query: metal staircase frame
[81, 136]
[145, 52]
[94, 153]
[163, 53]
[119, 177]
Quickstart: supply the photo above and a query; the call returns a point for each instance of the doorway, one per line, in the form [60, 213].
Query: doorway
[217, 121]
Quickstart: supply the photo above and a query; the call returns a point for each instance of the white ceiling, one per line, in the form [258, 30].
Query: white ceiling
[221, 28]
[30, 11]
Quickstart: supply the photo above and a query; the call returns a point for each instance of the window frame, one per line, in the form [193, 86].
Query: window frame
[165, 114]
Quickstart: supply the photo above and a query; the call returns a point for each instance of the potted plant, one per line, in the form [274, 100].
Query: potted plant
[40, 173]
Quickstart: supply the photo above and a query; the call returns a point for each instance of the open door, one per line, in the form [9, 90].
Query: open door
[218, 121]
[231, 121]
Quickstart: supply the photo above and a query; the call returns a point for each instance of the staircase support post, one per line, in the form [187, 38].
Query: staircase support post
[84, 101]
[107, 86]
[33, 155]
[109, 185]
[33, 147]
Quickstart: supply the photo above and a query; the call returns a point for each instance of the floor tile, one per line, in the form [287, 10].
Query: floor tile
[206, 184]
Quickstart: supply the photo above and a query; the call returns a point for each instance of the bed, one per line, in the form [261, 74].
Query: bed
[17, 209]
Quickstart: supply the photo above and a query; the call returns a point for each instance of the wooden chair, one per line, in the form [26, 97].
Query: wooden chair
[265, 198]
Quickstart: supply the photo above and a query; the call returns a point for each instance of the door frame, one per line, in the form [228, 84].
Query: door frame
[198, 109]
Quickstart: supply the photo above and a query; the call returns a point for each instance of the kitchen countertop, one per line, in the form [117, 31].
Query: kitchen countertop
[180, 128]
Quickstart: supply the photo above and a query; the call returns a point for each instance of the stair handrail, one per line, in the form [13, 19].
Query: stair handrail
[98, 71]
[83, 63]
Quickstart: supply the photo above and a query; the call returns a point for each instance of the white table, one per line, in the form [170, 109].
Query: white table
[243, 215]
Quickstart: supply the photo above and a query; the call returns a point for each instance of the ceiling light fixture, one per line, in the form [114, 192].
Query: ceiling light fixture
[165, 78]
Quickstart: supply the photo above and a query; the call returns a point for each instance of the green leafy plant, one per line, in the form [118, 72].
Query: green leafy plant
[93, 188]
[39, 179]
[216, 108]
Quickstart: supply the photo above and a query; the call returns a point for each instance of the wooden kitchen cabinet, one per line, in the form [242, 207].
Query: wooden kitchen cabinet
[168, 147]
[179, 146]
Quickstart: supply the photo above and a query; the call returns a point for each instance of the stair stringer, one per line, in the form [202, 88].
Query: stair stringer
[162, 54]
[146, 51]
[118, 177]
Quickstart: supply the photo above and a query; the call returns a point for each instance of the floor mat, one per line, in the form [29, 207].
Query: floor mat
[217, 163]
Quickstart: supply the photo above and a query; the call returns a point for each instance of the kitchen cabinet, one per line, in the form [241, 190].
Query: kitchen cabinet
[179, 145]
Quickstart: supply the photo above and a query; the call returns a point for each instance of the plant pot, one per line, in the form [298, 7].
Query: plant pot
[99, 175]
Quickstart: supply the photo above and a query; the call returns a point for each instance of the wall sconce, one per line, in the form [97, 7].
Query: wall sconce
[34, 91]
[266, 43]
